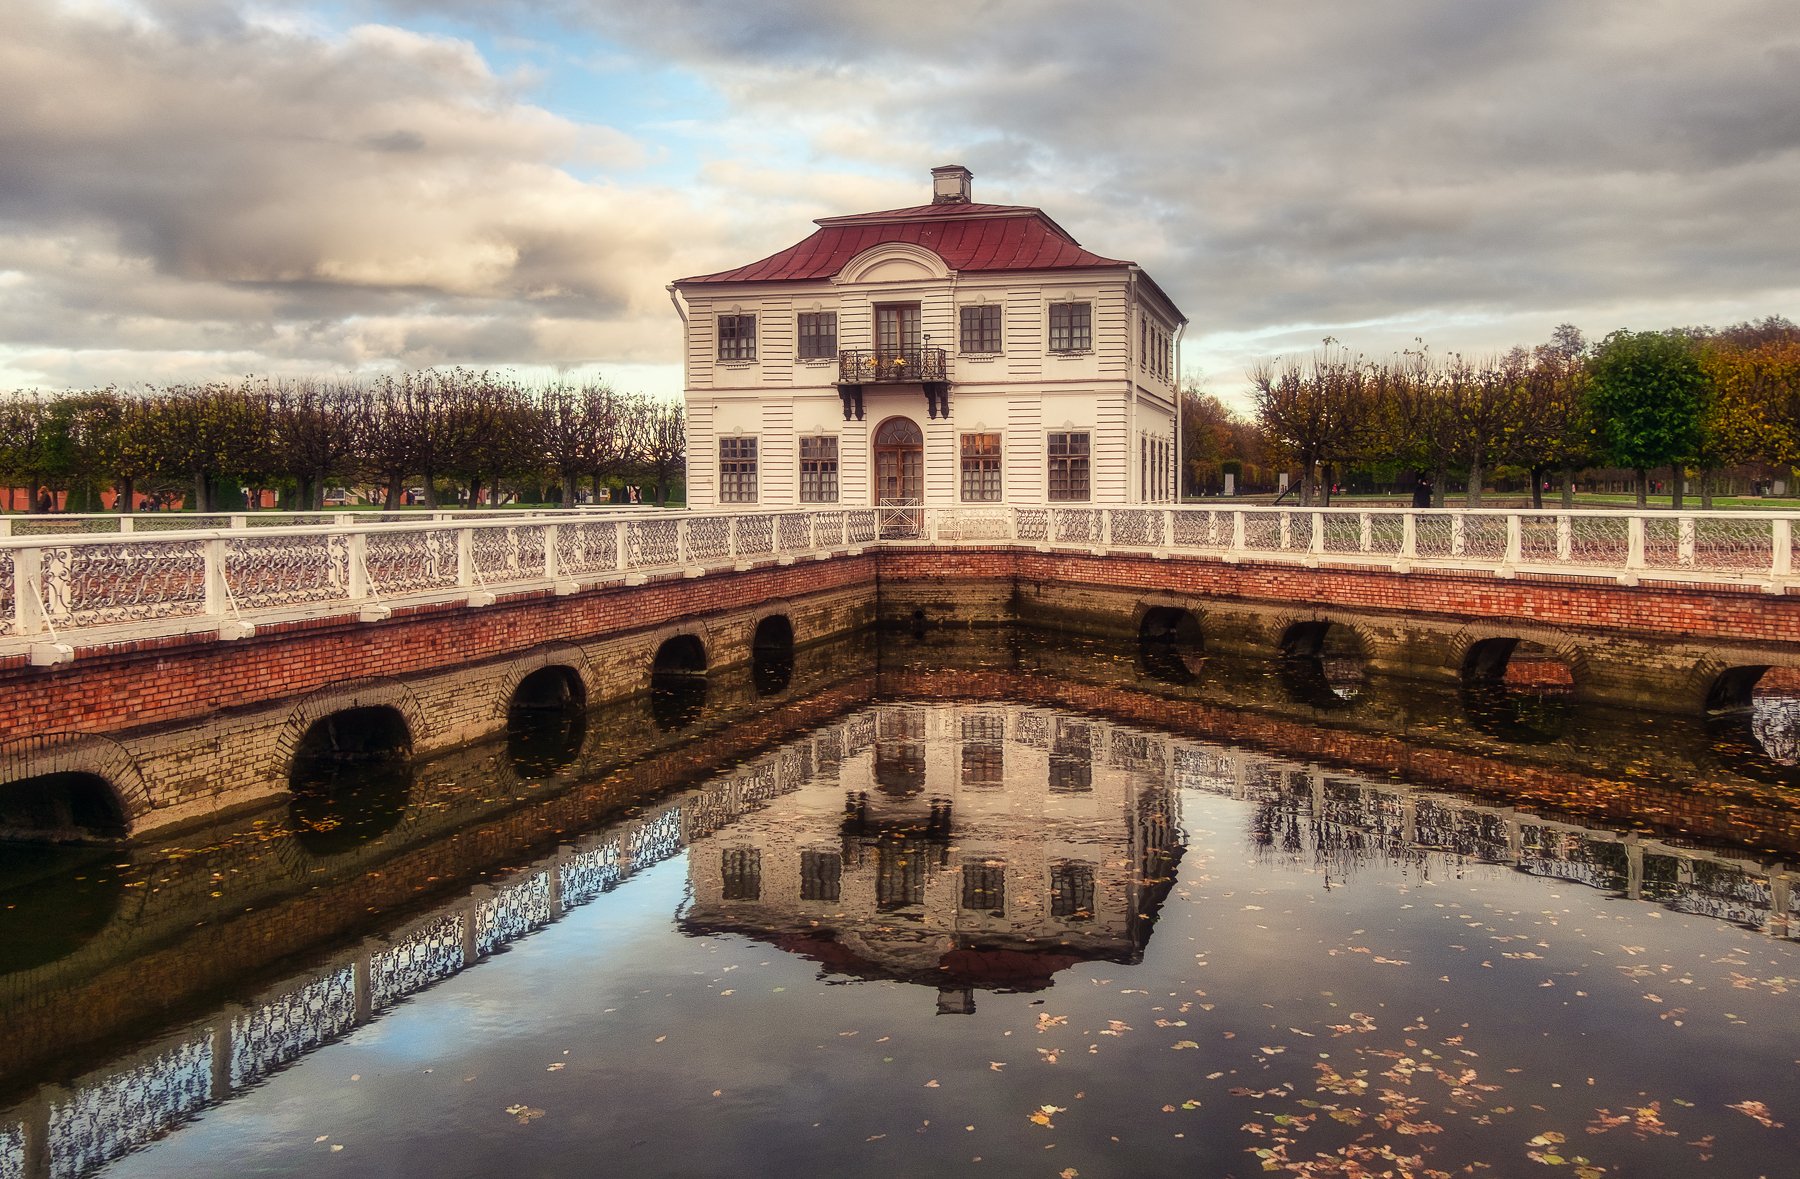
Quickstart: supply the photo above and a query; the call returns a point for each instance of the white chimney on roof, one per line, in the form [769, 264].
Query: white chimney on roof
[951, 185]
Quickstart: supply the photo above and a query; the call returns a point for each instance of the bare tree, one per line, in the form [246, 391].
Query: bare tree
[1321, 413]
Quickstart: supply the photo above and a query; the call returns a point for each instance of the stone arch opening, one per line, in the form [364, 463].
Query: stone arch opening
[1754, 722]
[1171, 645]
[772, 654]
[1517, 690]
[678, 682]
[68, 806]
[351, 778]
[1323, 664]
[546, 720]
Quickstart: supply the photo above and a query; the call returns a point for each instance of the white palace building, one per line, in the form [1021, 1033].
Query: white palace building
[944, 354]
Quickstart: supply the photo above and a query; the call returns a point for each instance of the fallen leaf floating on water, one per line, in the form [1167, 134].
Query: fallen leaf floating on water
[1757, 1111]
[1042, 1114]
[524, 1113]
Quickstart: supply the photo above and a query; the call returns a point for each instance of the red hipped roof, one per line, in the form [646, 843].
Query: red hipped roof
[965, 236]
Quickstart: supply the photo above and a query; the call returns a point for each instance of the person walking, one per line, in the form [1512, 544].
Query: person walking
[1421, 491]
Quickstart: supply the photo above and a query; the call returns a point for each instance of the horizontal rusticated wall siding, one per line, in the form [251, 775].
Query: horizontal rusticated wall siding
[178, 680]
[1727, 614]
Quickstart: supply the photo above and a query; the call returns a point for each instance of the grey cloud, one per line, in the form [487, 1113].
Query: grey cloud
[1305, 163]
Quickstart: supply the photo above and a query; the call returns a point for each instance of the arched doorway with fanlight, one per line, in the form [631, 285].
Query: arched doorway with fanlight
[899, 476]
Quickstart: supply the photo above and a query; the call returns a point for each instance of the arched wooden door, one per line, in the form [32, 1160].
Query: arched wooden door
[899, 476]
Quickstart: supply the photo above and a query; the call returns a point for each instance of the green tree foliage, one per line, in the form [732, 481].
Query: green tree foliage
[1647, 394]
[481, 430]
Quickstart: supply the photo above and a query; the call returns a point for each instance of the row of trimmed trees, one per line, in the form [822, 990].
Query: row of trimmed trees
[478, 432]
[1689, 400]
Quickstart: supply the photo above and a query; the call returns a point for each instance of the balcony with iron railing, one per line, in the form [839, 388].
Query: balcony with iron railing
[865, 366]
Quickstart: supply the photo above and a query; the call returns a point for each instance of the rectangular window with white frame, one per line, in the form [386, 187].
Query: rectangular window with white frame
[818, 335]
[737, 337]
[981, 328]
[818, 468]
[737, 470]
[1071, 327]
[1070, 477]
[981, 468]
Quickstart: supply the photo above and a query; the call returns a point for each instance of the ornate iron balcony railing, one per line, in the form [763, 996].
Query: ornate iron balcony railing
[888, 365]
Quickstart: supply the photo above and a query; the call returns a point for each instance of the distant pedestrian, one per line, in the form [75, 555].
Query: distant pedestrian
[45, 504]
[1422, 491]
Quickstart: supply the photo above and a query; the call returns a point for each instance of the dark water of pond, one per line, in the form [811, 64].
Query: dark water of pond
[1019, 932]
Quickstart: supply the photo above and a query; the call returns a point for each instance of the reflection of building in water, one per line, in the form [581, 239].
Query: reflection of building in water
[966, 847]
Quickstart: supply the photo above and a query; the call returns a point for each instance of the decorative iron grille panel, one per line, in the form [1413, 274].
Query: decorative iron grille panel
[862, 526]
[8, 623]
[1202, 530]
[177, 522]
[424, 956]
[652, 543]
[98, 584]
[410, 562]
[295, 1023]
[513, 553]
[709, 538]
[64, 526]
[1080, 525]
[796, 531]
[513, 912]
[1139, 526]
[271, 571]
[1598, 540]
[586, 548]
[1034, 523]
[755, 535]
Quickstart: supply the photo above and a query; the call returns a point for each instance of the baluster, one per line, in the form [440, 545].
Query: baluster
[1634, 552]
[1684, 527]
[1565, 538]
[218, 598]
[1409, 536]
[1515, 539]
[359, 567]
[1287, 531]
[1781, 537]
[1367, 540]
[1316, 544]
[1458, 534]
[621, 561]
[465, 557]
[28, 578]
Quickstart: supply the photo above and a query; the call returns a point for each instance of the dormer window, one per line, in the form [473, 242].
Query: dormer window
[1071, 327]
[737, 337]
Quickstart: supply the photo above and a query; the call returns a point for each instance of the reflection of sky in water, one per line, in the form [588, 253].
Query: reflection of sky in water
[1473, 1004]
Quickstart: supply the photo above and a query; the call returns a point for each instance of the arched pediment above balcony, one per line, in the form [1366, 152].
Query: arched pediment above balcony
[893, 262]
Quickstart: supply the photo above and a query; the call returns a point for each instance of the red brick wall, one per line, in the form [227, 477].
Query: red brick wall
[179, 679]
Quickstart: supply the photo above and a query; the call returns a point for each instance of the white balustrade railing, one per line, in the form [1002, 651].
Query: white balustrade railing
[115, 587]
[103, 588]
[66, 523]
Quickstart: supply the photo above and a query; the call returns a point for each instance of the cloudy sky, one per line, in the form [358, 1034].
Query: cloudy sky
[193, 189]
